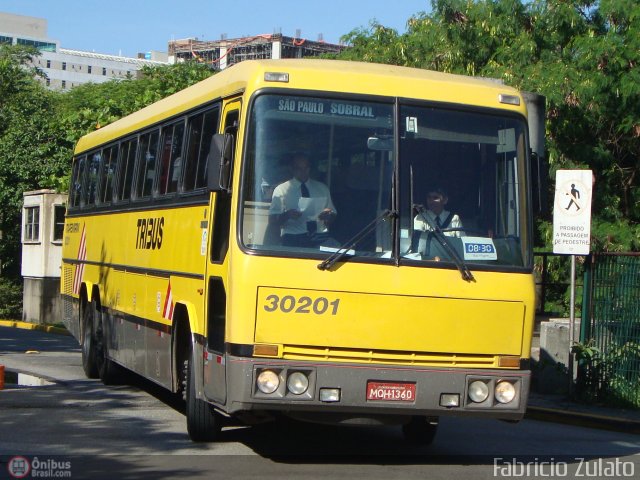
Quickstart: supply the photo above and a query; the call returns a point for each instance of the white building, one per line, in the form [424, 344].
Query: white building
[66, 68]
[42, 234]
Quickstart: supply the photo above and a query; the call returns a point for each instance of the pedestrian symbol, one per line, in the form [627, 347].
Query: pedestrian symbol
[575, 196]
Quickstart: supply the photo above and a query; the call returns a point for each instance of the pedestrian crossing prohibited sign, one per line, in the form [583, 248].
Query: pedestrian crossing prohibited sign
[572, 212]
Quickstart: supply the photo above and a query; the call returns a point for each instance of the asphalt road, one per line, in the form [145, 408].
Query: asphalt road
[137, 430]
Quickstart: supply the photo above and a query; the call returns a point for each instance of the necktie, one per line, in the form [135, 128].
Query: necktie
[312, 226]
[438, 222]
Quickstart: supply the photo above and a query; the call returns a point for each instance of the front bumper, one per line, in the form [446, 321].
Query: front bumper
[353, 381]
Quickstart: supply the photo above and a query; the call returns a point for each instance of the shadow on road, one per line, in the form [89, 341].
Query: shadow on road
[15, 340]
[127, 428]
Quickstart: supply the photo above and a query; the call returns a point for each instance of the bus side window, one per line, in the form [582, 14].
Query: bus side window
[147, 154]
[201, 129]
[171, 158]
[109, 165]
[92, 178]
[76, 181]
[125, 169]
[210, 127]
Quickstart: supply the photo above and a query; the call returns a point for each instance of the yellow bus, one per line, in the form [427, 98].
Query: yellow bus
[192, 257]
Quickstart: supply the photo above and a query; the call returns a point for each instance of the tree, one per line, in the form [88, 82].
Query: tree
[162, 81]
[33, 151]
[582, 55]
[91, 106]
[39, 128]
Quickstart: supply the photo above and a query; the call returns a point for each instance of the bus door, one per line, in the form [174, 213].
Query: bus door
[219, 220]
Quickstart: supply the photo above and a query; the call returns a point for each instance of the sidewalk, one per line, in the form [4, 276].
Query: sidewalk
[33, 326]
[560, 409]
[544, 407]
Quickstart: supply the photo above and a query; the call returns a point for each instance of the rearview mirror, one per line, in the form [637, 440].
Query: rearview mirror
[219, 162]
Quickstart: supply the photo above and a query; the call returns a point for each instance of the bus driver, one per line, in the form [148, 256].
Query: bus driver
[435, 214]
[302, 208]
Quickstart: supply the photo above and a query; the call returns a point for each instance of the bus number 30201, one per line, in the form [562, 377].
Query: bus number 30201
[291, 304]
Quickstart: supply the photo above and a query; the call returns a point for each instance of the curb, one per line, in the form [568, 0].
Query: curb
[34, 326]
[582, 419]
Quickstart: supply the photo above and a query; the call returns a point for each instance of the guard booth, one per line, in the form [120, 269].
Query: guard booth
[42, 234]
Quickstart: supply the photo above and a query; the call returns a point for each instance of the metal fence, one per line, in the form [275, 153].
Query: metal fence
[549, 290]
[609, 353]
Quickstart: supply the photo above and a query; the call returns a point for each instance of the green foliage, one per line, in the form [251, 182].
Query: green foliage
[39, 128]
[33, 152]
[10, 299]
[582, 55]
[617, 236]
[607, 376]
[378, 44]
[160, 82]
[92, 106]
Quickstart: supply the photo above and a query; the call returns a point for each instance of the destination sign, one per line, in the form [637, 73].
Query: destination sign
[342, 109]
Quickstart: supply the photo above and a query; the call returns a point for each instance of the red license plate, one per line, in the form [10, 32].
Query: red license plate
[391, 392]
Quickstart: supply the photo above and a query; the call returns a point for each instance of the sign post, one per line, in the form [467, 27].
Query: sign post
[572, 231]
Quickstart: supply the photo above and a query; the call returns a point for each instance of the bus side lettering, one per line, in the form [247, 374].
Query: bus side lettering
[149, 235]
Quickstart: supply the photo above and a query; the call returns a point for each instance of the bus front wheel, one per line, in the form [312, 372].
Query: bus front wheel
[420, 430]
[89, 350]
[203, 423]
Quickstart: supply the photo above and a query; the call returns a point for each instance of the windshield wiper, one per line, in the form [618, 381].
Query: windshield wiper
[327, 263]
[442, 239]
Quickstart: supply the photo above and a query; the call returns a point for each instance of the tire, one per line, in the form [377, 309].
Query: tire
[89, 359]
[203, 423]
[420, 430]
[108, 371]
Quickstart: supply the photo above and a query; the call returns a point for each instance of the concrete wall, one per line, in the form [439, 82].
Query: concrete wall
[551, 374]
[41, 300]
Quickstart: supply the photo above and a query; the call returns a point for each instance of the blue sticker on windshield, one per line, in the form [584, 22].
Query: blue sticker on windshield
[479, 248]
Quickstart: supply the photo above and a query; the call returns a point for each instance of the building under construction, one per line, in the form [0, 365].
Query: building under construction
[223, 53]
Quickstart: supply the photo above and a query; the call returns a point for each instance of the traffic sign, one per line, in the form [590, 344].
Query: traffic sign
[572, 212]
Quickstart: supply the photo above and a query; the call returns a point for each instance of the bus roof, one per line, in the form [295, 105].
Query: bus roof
[311, 74]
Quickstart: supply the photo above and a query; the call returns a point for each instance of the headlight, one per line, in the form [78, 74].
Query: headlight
[297, 383]
[268, 381]
[478, 391]
[505, 392]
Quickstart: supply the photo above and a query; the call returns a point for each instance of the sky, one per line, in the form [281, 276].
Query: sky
[126, 27]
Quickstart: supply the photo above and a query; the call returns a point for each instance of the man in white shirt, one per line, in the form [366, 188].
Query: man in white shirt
[449, 222]
[302, 208]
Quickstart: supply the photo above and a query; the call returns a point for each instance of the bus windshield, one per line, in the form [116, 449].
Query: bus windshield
[319, 172]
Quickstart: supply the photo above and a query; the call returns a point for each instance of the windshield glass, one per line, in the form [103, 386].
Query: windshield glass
[312, 179]
[462, 181]
[319, 174]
